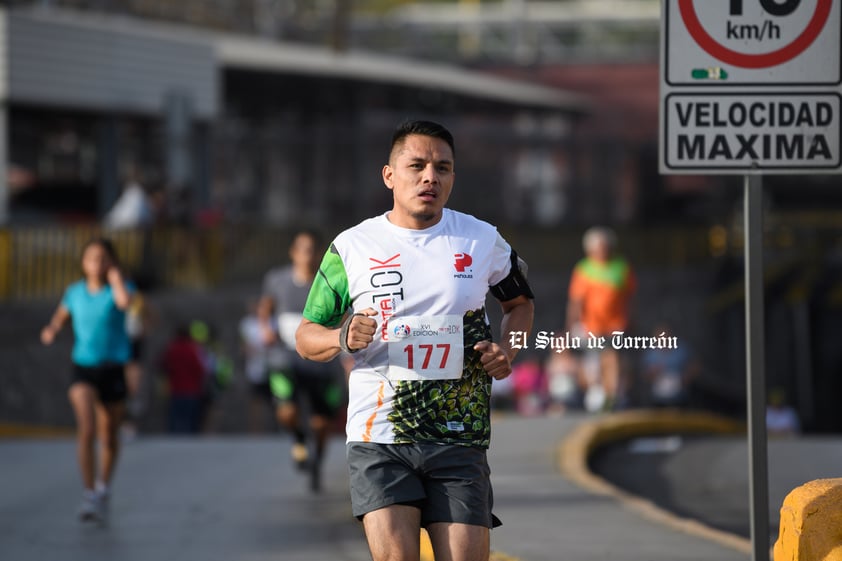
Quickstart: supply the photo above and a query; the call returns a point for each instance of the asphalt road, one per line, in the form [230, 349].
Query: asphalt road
[223, 498]
[232, 498]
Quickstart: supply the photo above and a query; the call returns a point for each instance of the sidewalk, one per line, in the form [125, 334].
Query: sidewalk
[546, 517]
[705, 477]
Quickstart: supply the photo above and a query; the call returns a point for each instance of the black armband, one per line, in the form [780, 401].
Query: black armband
[515, 283]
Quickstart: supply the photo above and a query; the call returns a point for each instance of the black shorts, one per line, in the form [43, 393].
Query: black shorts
[322, 393]
[261, 390]
[136, 350]
[108, 380]
[449, 483]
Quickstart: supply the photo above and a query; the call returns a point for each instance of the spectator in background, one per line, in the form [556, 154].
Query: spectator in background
[530, 387]
[219, 367]
[96, 307]
[133, 209]
[781, 418]
[186, 373]
[257, 337]
[601, 287]
[137, 321]
[561, 371]
[669, 372]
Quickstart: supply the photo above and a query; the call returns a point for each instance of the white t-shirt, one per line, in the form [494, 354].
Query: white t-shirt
[420, 380]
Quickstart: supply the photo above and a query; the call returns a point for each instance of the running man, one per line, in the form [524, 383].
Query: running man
[300, 387]
[404, 293]
[601, 286]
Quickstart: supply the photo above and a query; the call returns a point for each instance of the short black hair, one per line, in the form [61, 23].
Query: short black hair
[311, 233]
[424, 128]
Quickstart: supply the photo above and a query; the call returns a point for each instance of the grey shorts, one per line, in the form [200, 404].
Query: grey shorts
[449, 483]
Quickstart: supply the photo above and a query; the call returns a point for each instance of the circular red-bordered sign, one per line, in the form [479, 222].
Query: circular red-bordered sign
[760, 60]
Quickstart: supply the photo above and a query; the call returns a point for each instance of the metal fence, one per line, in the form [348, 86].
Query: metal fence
[38, 263]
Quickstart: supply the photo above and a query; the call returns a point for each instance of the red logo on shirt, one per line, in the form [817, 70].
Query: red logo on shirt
[463, 260]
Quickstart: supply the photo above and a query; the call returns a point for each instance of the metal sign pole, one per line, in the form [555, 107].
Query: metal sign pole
[755, 367]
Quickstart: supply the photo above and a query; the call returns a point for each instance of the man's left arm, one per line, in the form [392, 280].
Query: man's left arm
[497, 357]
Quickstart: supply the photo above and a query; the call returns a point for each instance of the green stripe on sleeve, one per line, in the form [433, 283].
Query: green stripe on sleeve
[329, 297]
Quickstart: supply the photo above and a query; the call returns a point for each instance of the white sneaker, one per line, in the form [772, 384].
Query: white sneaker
[89, 510]
[94, 507]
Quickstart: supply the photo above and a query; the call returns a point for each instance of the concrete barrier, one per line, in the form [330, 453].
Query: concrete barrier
[625, 425]
[575, 450]
[811, 523]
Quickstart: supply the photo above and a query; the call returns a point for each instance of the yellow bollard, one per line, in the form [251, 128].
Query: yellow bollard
[811, 523]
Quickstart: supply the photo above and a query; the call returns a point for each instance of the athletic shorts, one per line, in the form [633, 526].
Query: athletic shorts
[108, 380]
[324, 394]
[449, 483]
[136, 350]
[261, 390]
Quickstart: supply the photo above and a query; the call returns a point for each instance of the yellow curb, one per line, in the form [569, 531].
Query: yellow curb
[498, 556]
[574, 451]
[11, 430]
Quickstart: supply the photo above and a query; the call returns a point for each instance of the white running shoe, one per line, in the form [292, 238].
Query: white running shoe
[89, 510]
[94, 507]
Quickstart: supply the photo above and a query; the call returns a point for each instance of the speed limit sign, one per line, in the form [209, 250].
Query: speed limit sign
[751, 86]
[722, 43]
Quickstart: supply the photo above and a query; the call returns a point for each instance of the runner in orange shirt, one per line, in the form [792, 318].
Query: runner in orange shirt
[600, 289]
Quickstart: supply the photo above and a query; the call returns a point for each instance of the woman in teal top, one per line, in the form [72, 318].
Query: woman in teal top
[96, 306]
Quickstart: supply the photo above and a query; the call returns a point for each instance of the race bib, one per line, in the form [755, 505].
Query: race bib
[425, 347]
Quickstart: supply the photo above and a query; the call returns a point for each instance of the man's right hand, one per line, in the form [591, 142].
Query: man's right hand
[362, 329]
